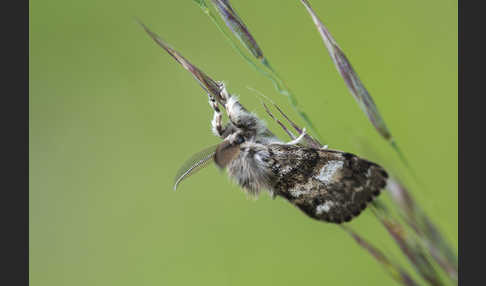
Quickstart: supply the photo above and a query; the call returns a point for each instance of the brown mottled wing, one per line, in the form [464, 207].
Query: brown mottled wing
[327, 185]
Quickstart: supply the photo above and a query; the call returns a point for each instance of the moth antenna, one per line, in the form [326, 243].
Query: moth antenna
[194, 164]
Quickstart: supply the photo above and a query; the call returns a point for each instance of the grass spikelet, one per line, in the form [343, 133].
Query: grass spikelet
[431, 237]
[238, 27]
[409, 246]
[394, 269]
[308, 139]
[207, 83]
[355, 86]
[350, 77]
[235, 23]
[286, 130]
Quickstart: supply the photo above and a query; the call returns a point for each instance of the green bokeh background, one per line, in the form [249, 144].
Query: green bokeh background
[112, 117]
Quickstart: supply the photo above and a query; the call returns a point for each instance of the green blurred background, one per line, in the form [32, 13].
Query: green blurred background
[112, 117]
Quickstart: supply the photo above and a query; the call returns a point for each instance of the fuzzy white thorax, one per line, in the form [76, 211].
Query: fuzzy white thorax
[239, 115]
[250, 169]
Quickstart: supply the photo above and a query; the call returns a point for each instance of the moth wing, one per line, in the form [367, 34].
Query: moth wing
[350, 183]
[194, 164]
[328, 185]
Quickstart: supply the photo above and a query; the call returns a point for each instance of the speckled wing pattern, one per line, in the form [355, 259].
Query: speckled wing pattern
[327, 185]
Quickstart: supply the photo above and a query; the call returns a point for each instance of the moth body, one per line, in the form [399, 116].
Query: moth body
[327, 185]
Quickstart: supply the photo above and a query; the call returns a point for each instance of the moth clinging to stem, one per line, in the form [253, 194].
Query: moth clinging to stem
[327, 185]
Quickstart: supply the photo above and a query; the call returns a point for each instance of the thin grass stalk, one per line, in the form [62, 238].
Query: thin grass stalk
[286, 130]
[236, 25]
[355, 86]
[269, 113]
[409, 246]
[392, 268]
[434, 241]
[312, 142]
[350, 77]
[239, 29]
[206, 82]
[202, 4]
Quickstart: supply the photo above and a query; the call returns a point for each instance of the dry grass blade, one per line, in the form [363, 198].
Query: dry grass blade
[351, 78]
[238, 27]
[207, 83]
[439, 248]
[410, 249]
[291, 135]
[398, 273]
[436, 244]
[355, 86]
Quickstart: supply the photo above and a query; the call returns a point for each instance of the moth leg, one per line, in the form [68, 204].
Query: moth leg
[216, 123]
[298, 139]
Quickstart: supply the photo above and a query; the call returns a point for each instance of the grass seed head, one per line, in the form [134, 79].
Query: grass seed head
[234, 22]
[350, 77]
[207, 83]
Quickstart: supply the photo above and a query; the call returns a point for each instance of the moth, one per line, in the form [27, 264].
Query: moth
[327, 185]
